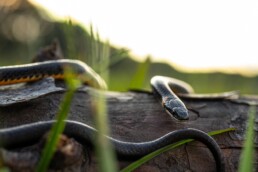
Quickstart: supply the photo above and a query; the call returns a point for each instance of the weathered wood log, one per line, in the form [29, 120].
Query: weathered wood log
[137, 117]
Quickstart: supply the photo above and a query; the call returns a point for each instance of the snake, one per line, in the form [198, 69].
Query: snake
[166, 88]
[28, 133]
[52, 68]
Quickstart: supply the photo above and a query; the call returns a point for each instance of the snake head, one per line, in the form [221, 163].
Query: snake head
[176, 109]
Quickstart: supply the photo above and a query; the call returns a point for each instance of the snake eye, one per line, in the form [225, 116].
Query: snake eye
[176, 112]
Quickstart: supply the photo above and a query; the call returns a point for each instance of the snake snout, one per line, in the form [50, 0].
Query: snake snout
[180, 113]
[176, 109]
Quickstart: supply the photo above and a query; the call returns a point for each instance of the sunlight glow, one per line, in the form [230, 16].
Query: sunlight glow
[192, 34]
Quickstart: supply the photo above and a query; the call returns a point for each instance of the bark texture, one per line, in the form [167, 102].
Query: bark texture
[133, 116]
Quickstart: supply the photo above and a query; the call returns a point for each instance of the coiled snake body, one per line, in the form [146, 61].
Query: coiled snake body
[24, 134]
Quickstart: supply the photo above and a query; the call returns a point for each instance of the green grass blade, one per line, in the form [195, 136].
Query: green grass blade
[69, 32]
[104, 149]
[138, 79]
[58, 127]
[150, 156]
[247, 155]
[105, 152]
[99, 56]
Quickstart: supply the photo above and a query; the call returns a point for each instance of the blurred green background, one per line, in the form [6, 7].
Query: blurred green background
[25, 29]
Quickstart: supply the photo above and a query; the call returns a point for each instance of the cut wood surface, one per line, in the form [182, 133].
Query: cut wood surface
[136, 117]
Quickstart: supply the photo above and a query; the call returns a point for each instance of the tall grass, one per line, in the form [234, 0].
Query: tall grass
[70, 39]
[139, 77]
[99, 57]
[247, 155]
[59, 126]
[99, 54]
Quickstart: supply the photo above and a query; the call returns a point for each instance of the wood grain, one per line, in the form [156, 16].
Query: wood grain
[138, 117]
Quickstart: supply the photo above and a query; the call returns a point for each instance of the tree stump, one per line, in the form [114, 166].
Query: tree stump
[135, 117]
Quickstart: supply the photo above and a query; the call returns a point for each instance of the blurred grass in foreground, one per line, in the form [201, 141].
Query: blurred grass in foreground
[247, 156]
[57, 129]
[138, 80]
[99, 56]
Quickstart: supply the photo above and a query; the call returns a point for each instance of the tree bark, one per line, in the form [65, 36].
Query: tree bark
[136, 117]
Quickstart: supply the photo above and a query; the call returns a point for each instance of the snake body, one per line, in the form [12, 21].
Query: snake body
[164, 87]
[25, 134]
[53, 68]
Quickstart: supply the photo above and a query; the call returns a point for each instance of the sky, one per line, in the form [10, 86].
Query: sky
[193, 35]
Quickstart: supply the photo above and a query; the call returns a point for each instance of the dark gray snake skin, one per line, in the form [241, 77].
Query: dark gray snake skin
[26, 134]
